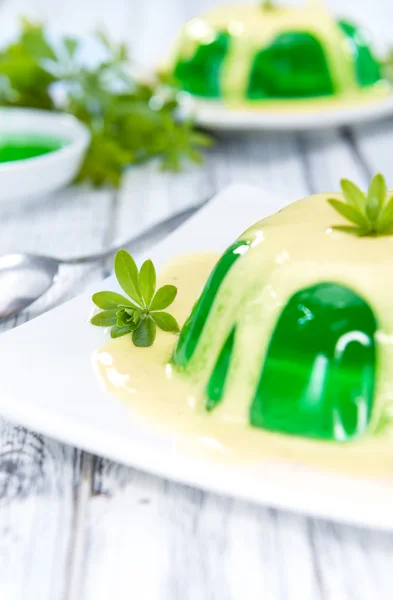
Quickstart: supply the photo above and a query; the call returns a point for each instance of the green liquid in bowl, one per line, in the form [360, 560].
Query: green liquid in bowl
[23, 146]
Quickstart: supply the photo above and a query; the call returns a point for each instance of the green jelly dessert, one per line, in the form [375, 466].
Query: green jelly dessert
[294, 326]
[251, 53]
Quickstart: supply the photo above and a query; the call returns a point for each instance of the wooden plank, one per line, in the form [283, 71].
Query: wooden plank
[40, 478]
[36, 511]
[328, 157]
[374, 145]
[164, 541]
[150, 195]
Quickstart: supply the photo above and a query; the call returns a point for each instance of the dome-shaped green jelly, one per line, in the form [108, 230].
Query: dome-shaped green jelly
[200, 74]
[294, 65]
[318, 376]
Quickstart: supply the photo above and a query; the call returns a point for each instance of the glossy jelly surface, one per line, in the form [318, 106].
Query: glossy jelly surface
[215, 387]
[200, 74]
[294, 65]
[368, 70]
[193, 327]
[318, 376]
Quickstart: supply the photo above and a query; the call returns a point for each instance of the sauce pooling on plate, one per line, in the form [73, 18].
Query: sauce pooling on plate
[14, 147]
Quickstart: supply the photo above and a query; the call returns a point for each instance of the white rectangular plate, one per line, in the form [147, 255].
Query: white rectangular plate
[47, 384]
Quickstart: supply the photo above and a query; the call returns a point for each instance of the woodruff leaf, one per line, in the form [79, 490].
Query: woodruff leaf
[376, 197]
[385, 229]
[137, 315]
[106, 318]
[371, 216]
[353, 195]
[164, 297]
[125, 320]
[145, 334]
[349, 229]
[117, 332]
[127, 275]
[34, 41]
[71, 45]
[166, 322]
[386, 218]
[349, 212]
[147, 281]
[107, 300]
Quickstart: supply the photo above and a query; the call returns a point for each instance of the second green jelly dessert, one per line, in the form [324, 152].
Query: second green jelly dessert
[254, 53]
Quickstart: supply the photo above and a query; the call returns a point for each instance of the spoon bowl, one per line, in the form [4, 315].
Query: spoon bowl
[23, 279]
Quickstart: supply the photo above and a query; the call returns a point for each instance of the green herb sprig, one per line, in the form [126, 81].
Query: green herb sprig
[142, 311]
[268, 4]
[130, 122]
[371, 214]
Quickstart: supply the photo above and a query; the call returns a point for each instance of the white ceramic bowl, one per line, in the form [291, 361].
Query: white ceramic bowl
[34, 177]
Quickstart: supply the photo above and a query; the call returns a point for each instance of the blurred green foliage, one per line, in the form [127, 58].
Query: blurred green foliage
[130, 122]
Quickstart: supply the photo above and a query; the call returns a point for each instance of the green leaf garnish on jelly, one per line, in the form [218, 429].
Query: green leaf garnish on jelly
[141, 312]
[370, 214]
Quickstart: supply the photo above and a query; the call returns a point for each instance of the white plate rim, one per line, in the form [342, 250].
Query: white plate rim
[214, 115]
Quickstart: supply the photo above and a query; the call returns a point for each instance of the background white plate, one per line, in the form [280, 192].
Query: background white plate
[47, 384]
[214, 115]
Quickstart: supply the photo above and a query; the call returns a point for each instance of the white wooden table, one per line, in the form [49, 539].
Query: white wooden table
[75, 526]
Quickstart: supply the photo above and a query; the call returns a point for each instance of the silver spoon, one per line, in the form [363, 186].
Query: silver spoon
[26, 277]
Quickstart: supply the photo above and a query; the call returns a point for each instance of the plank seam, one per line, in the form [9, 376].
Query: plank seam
[77, 547]
[346, 133]
[306, 166]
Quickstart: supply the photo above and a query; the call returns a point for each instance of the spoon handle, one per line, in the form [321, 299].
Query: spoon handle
[141, 241]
